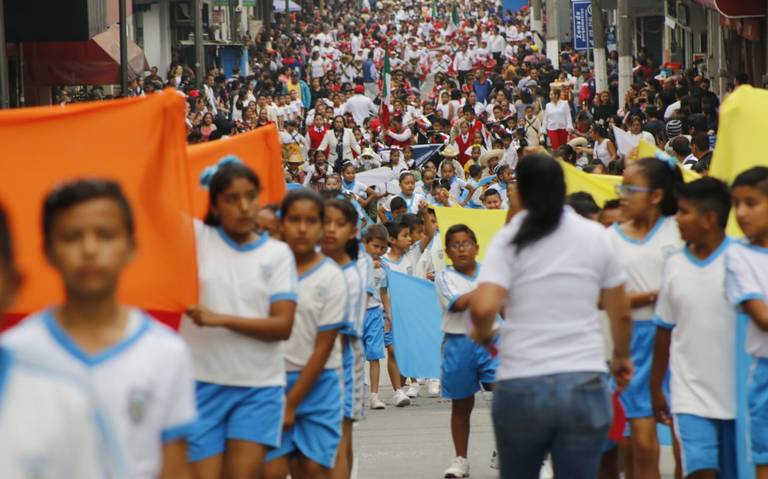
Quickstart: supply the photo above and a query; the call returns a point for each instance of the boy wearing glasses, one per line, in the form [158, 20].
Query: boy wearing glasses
[466, 366]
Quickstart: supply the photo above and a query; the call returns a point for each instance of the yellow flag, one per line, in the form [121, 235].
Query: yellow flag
[485, 223]
[645, 149]
[601, 187]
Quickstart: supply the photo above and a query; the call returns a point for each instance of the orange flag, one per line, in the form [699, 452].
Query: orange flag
[139, 143]
[259, 149]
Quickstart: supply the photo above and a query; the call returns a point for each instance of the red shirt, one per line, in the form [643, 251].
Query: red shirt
[316, 137]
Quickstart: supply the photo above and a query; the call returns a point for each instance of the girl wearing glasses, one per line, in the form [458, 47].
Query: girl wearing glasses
[648, 234]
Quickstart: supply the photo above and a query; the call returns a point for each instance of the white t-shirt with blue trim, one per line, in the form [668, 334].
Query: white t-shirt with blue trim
[356, 297]
[322, 306]
[143, 384]
[643, 260]
[693, 301]
[747, 279]
[450, 286]
[50, 426]
[379, 282]
[240, 280]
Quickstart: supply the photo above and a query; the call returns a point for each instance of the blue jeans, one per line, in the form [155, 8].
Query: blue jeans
[567, 415]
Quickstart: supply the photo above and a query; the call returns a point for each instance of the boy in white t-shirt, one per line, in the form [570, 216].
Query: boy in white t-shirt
[694, 317]
[466, 366]
[139, 371]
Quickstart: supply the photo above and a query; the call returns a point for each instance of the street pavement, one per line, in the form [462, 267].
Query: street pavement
[414, 442]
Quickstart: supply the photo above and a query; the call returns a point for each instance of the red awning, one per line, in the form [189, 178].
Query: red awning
[95, 62]
[737, 8]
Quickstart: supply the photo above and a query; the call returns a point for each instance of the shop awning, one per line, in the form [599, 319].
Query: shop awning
[736, 8]
[95, 62]
[279, 6]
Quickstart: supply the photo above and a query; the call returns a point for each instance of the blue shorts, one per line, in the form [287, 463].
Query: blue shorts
[373, 334]
[354, 378]
[389, 338]
[465, 366]
[636, 398]
[233, 412]
[758, 410]
[707, 444]
[316, 433]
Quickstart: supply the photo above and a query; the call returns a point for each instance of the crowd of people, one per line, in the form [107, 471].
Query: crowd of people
[268, 374]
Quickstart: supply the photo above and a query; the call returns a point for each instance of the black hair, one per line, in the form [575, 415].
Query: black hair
[76, 192]
[459, 228]
[755, 177]
[302, 194]
[6, 244]
[397, 203]
[474, 170]
[404, 174]
[701, 140]
[612, 204]
[348, 164]
[350, 214]
[410, 221]
[376, 232]
[541, 185]
[394, 229]
[708, 194]
[680, 145]
[223, 179]
[441, 183]
[664, 176]
[491, 192]
[582, 203]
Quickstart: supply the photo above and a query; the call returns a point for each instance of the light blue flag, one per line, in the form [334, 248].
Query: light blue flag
[743, 362]
[416, 325]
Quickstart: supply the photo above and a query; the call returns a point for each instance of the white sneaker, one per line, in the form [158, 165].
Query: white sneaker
[377, 403]
[546, 470]
[459, 468]
[433, 388]
[495, 461]
[399, 399]
[413, 390]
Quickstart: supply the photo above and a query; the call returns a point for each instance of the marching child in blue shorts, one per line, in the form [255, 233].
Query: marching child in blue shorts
[466, 366]
[314, 397]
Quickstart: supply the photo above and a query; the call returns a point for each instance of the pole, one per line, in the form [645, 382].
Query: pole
[598, 33]
[536, 23]
[624, 34]
[123, 19]
[197, 6]
[553, 34]
[5, 94]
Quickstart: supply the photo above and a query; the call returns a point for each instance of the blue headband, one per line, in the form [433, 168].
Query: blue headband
[209, 172]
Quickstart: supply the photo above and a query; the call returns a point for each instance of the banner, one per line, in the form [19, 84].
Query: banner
[138, 142]
[485, 224]
[601, 187]
[416, 325]
[259, 149]
[583, 38]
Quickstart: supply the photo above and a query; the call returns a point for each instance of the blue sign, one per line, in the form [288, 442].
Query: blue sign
[582, 25]
[514, 6]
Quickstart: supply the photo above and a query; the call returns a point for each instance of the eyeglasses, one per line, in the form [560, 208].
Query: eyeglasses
[627, 190]
[461, 246]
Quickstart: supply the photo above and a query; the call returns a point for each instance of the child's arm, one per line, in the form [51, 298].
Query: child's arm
[381, 212]
[462, 302]
[470, 191]
[276, 327]
[658, 371]
[387, 309]
[429, 228]
[757, 311]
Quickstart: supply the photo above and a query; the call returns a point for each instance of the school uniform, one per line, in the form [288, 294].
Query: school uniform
[143, 384]
[373, 327]
[356, 276]
[240, 379]
[411, 203]
[50, 426]
[406, 265]
[747, 279]
[643, 262]
[322, 306]
[465, 365]
[432, 260]
[693, 304]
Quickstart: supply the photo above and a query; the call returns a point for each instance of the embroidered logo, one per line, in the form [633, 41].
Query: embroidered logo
[138, 403]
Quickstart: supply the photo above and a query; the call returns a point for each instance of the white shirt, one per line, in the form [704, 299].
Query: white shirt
[357, 292]
[407, 262]
[457, 185]
[361, 107]
[747, 279]
[643, 260]
[143, 384]
[379, 282]
[693, 301]
[463, 61]
[450, 286]
[557, 116]
[241, 280]
[49, 427]
[498, 43]
[411, 204]
[322, 307]
[432, 260]
[356, 188]
[553, 287]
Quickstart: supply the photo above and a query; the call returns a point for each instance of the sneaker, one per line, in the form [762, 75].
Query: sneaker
[546, 470]
[459, 468]
[413, 390]
[377, 403]
[399, 399]
[433, 388]
[495, 461]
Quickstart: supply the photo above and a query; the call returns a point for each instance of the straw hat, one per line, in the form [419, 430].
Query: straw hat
[295, 159]
[488, 155]
[368, 152]
[449, 151]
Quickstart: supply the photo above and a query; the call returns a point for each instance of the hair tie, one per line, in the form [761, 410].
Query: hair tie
[668, 159]
[209, 172]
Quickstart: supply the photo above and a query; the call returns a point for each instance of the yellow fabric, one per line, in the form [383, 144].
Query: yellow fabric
[601, 187]
[645, 149]
[485, 223]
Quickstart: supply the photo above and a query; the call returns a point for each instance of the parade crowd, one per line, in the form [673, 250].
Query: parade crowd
[384, 113]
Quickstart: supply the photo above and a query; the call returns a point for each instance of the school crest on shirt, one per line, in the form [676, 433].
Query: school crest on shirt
[34, 466]
[266, 272]
[321, 292]
[669, 249]
[138, 404]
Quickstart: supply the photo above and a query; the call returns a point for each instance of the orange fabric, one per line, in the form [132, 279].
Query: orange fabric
[138, 142]
[259, 149]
